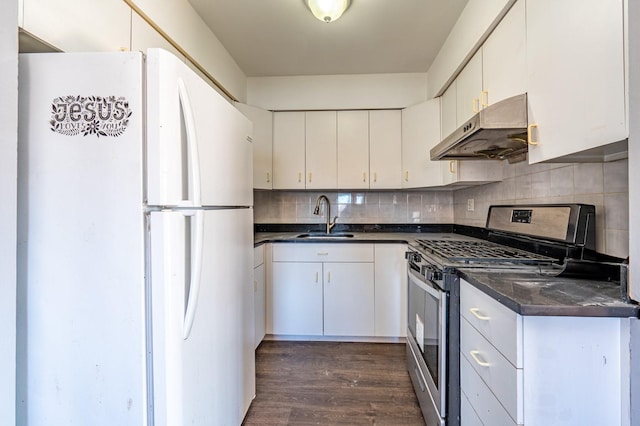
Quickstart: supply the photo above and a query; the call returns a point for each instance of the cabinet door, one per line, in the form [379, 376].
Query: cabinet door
[79, 26]
[385, 149]
[504, 60]
[262, 144]
[144, 36]
[321, 150]
[390, 290]
[420, 132]
[448, 120]
[469, 89]
[294, 299]
[259, 294]
[288, 150]
[575, 76]
[348, 299]
[353, 149]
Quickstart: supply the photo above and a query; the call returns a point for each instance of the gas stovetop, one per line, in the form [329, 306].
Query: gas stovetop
[467, 252]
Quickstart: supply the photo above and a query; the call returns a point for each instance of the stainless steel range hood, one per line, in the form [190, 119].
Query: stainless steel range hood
[497, 132]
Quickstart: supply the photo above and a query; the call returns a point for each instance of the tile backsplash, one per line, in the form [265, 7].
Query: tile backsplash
[604, 185]
[355, 207]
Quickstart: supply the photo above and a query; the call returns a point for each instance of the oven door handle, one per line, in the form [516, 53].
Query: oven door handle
[419, 280]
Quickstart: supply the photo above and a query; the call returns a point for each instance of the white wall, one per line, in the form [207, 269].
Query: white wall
[8, 149]
[179, 20]
[361, 91]
[634, 195]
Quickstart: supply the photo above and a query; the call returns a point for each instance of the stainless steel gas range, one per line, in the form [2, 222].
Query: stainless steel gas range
[538, 239]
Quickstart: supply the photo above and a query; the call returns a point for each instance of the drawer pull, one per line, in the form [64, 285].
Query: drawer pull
[316, 277]
[329, 276]
[475, 312]
[323, 253]
[474, 355]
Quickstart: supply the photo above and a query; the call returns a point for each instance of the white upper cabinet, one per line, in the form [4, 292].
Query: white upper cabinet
[420, 132]
[289, 150]
[353, 149]
[448, 105]
[504, 59]
[385, 149]
[262, 144]
[321, 150]
[575, 77]
[77, 26]
[469, 89]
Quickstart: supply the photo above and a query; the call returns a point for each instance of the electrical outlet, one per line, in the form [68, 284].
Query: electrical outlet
[471, 204]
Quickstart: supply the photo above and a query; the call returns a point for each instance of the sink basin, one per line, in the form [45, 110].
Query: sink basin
[323, 236]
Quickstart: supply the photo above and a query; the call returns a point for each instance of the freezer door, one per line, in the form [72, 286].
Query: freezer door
[201, 296]
[198, 145]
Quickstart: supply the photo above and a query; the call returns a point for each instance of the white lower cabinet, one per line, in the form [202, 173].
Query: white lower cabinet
[540, 370]
[341, 290]
[259, 293]
[294, 299]
[348, 299]
[390, 290]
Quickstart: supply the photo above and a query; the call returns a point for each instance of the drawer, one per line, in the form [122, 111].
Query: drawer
[482, 401]
[498, 324]
[258, 256]
[322, 252]
[501, 377]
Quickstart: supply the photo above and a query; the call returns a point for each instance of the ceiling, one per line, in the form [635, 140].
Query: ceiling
[282, 37]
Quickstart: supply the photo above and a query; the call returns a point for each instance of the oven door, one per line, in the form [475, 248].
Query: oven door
[427, 337]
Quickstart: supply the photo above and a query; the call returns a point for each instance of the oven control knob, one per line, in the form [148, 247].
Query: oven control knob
[413, 256]
[433, 275]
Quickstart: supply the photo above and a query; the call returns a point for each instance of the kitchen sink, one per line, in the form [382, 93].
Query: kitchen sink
[324, 236]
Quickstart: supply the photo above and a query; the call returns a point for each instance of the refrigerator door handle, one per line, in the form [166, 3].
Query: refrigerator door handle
[196, 269]
[193, 174]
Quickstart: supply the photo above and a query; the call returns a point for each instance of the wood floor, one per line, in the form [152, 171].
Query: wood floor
[329, 383]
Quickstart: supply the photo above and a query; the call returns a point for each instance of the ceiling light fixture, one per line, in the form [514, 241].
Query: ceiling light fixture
[327, 10]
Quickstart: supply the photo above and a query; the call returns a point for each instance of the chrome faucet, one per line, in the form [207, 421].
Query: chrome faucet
[316, 211]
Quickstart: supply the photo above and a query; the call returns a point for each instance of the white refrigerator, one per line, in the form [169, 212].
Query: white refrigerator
[135, 244]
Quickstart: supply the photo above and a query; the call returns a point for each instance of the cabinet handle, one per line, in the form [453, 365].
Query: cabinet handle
[476, 313]
[452, 164]
[323, 253]
[375, 177]
[475, 105]
[268, 177]
[316, 276]
[255, 286]
[364, 176]
[530, 128]
[484, 98]
[329, 276]
[406, 176]
[309, 176]
[299, 177]
[474, 355]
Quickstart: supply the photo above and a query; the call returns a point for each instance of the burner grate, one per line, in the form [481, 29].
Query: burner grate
[480, 251]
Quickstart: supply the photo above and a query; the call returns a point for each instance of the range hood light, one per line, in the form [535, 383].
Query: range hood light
[327, 10]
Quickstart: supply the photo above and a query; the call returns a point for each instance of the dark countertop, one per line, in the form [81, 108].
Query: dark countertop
[534, 294]
[524, 293]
